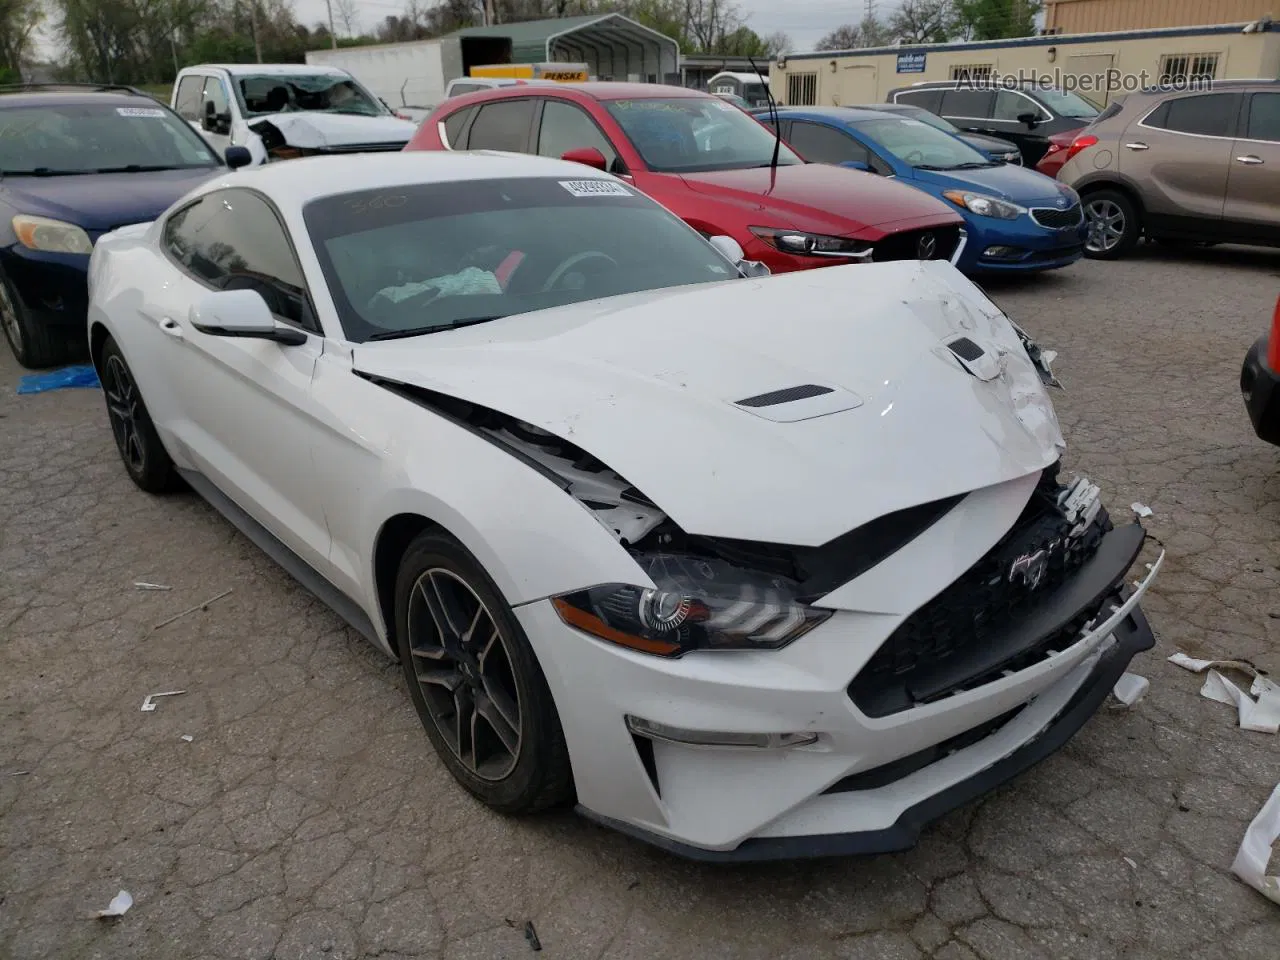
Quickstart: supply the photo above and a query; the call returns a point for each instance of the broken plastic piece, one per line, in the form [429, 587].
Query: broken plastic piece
[1130, 688]
[1251, 860]
[67, 377]
[1258, 710]
[1131, 862]
[531, 935]
[142, 585]
[187, 737]
[149, 704]
[118, 906]
[1141, 509]
[198, 606]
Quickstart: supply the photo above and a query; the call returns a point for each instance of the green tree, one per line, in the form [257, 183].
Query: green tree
[997, 19]
[18, 20]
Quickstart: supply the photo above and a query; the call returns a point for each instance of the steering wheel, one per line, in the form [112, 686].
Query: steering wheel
[558, 274]
[914, 156]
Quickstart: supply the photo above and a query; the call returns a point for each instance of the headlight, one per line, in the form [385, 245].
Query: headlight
[698, 604]
[983, 205]
[813, 244]
[51, 236]
[1072, 197]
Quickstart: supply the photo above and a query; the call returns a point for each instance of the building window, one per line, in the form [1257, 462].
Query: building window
[1182, 67]
[972, 72]
[802, 89]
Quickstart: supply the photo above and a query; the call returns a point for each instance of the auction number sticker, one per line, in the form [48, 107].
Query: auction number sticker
[139, 111]
[595, 188]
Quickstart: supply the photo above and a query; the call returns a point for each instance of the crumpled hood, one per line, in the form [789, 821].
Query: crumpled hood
[649, 384]
[101, 201]
[317, 130]
[1007, 182]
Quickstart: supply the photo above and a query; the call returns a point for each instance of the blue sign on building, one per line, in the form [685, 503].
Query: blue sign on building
[911, 62]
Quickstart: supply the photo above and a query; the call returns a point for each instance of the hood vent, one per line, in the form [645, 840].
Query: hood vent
[801, 402]
[965, 349]
[974, 358]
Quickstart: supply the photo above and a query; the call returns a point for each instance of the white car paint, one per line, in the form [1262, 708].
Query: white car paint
[301, 440]
[303, 129]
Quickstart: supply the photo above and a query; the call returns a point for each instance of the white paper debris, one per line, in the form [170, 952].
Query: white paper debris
[1250, 864]
[149, 704]
[187, 737]
[1258, 710]
[118, 906]
[1141, 509]
[1130, 688]
[1130, 862]
[142, 585]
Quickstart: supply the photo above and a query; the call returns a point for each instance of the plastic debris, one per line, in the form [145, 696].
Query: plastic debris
[150, 704]
[190, 610]
[1250, 864]
[1130, 688]
[531, 935]
[1258, 710]
[67, 377]
[187, 737]
[141, 585]
[1131, 862]
[1141, 509]
[118, 906]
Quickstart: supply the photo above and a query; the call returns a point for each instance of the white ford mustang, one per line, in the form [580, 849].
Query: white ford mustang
[753, 567]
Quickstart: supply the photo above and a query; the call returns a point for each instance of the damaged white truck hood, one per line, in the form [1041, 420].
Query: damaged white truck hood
[789, 409]
[317, 130]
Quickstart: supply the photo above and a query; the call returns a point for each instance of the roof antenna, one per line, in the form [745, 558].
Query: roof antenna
[773, 115]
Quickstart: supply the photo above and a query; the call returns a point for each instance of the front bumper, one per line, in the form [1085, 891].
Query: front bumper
[868, 785]
[1260, 386]
[1033, 248]
[53, 286]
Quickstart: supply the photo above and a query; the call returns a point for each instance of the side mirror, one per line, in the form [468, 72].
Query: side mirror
[732, 251]
[857, 165]
[588, 156]
[238, 157]
[1030, 119]
[241, 313]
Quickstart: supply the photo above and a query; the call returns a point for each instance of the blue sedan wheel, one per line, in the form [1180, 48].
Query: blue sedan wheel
[32, 345]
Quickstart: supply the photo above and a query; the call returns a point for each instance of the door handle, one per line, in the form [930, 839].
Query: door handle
[1136, 145]
[170, 326]
[1249, 158]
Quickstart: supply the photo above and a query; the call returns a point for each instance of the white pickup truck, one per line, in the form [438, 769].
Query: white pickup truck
[281, 111]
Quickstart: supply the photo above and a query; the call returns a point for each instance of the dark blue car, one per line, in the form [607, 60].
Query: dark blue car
[75, 162]
[1016, 219]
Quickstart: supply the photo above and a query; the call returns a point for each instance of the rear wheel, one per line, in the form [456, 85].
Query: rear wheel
[33, 345]
[474, 679]
[1114, 225]
[144, 456]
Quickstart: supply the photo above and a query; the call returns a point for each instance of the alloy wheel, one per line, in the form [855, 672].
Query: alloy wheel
[1106, 225]
[463, 668]
[123, 409]
[9, 319]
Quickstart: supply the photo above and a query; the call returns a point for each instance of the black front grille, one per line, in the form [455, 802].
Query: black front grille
[982, 604]
[1057, 219]
[907, 245]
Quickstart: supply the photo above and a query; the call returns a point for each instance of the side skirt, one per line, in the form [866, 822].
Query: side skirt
[294, 565]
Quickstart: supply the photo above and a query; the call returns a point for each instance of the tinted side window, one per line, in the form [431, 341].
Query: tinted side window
[453, 125]
[975, 104]
[566, 127]
[1009, 104]
[232, 240]
[502, 126]
[931, 100]
[1209, 115]
[187, 103]
[819, 144]
[215, 92]
[1264, 117]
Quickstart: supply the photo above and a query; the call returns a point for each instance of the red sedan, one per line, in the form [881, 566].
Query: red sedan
[710, 164]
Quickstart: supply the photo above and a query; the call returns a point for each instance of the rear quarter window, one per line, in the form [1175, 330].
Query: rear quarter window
[454, 124]
[1207, 115]
[930, 100]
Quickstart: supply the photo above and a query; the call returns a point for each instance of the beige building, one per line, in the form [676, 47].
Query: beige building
[1097, 66]
[1098, 16]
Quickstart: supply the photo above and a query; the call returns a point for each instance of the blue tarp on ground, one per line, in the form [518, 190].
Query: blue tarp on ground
[81, 376]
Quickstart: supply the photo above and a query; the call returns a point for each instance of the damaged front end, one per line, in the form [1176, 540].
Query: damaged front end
[291, 137]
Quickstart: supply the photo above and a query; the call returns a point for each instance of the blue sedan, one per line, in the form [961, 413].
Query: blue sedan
[1017, 220]
[77, 161]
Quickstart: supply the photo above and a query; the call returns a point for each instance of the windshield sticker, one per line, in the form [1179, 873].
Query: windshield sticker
[914, 123]
[140, 111]
[595, 188]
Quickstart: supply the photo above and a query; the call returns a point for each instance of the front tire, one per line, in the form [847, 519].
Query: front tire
[473, 677]
[1114, 225]
[33, 345]
[143, 455]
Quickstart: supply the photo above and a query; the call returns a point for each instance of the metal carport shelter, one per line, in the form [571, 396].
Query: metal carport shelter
[612, 46]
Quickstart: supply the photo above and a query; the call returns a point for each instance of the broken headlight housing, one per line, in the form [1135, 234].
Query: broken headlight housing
[695, 604]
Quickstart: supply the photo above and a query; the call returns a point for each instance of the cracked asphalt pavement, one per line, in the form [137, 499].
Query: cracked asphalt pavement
[308, 816]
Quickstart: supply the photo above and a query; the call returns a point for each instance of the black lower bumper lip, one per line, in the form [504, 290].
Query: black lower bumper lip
[1133, 635]
[1261, 389]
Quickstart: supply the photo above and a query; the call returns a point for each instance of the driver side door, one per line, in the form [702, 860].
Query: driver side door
[249, 422]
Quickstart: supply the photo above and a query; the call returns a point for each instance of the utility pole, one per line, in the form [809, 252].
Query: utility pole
[489, 16]
[253, 23]
[333, 34]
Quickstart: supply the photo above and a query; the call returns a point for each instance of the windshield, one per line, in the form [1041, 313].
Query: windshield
[426, 257]
[1068, 104]
[261, 94]
[693, 134]
[920, 145]
[97, 137]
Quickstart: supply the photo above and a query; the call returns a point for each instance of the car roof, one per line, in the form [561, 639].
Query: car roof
[34, 96]
[833, 114]
[272, 69]
[598, 90]
[291, 184]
